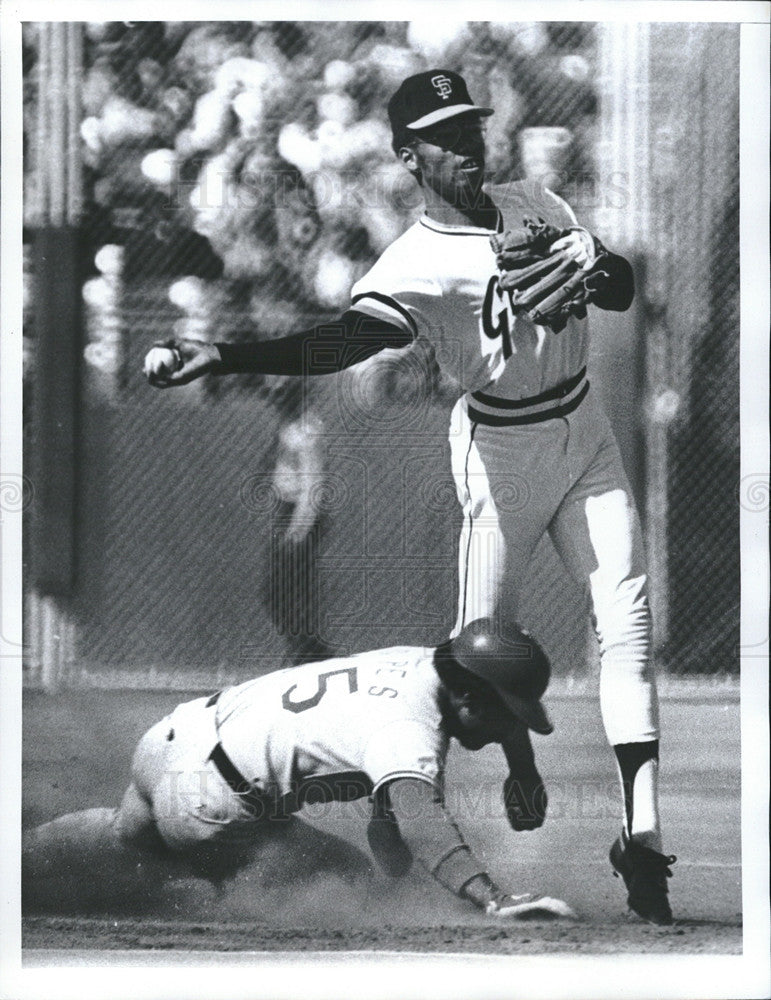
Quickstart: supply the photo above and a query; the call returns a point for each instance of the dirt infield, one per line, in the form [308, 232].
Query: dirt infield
[77, 749]
[528, 938]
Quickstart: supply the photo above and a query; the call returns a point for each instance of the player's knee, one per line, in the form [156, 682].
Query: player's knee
[621, 609]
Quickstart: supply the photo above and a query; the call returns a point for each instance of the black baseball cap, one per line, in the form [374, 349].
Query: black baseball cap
[429, 98]
[513, 664]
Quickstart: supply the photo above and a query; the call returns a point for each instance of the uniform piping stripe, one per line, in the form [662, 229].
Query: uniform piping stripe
[386, 300]
[437, 227]
[470, 524]
[395, 775]
[558, 392]
[492, 420]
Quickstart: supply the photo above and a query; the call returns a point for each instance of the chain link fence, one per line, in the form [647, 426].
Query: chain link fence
[238, 178]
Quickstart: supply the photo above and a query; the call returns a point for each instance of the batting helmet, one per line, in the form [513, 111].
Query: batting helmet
[513, 664]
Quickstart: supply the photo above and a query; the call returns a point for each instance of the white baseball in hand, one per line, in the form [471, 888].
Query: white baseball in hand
[162, 361]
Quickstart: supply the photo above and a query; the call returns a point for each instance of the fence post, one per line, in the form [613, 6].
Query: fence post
[54, 219]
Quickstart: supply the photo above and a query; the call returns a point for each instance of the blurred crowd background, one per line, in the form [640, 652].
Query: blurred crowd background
[260, 154]
[230, 181]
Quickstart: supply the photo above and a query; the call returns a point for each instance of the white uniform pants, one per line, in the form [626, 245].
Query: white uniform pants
[191, 802]
[563, 475]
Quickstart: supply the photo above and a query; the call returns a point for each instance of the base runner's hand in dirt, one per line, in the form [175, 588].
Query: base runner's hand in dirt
[196, 357]
[528, 907]
[483, 892]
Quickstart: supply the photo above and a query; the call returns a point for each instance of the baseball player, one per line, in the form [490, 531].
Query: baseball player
[298, 479]
[231, 769]
[507, 319]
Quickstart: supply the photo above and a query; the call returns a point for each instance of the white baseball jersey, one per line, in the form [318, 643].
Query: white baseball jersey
[441, 282]
[371, 717]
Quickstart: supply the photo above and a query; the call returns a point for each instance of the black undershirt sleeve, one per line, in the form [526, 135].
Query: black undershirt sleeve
[321, 350]
[618, 294]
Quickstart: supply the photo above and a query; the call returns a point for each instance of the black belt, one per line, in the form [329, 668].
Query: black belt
[343, 786]
[495, 420]
[558, 392]
[253, 797]
[257, 801]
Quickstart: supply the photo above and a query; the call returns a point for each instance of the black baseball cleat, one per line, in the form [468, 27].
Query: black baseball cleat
[645, 873]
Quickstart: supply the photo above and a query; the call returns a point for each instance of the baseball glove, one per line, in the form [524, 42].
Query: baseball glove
[544, 279]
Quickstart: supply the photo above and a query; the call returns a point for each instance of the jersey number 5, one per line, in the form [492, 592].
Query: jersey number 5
[306, 703]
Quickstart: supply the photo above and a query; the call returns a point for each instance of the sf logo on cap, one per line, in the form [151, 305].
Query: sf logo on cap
[443, 86]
